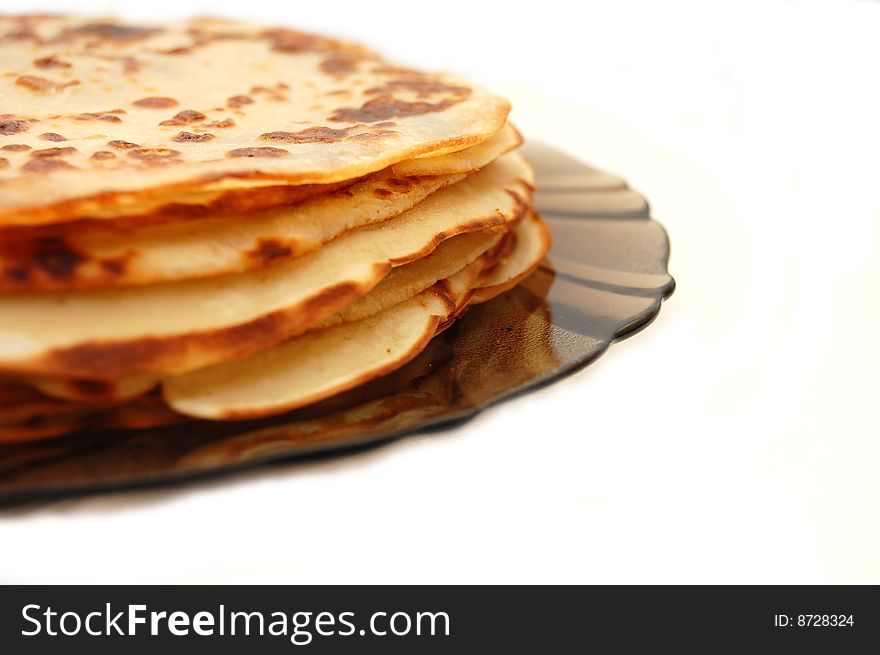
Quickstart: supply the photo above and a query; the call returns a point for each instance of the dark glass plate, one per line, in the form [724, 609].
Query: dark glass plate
[605, 279]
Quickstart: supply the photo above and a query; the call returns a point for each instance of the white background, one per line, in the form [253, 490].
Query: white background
[735, 440]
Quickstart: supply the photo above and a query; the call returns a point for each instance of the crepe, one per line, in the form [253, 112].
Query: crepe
[472, 158]
[100, 114]
[406, 281]
[180, 326]
[41, 418]
[242, 196]
[100, 392]
[401, 284]
[531, 244]
[323, 362]
[103, 254]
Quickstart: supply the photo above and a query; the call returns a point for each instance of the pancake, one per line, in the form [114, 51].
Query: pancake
[94, 391]
[462, 161]
[103, 256]
[402, 283]
[532, 243]
[238, 197]
[102, 114]
[51, 418]
[323, 362]
[30, 414]
[212, 199]
[175, 327]
[406, 281]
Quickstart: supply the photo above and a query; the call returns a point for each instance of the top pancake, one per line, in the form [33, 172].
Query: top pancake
[99, 115]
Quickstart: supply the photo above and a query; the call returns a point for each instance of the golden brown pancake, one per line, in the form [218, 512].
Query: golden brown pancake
[102, 254]
[401, 284]
[532, 243]
[100, 114]
[325, 361]
[472, 158]
[93, 391]
[180, 326]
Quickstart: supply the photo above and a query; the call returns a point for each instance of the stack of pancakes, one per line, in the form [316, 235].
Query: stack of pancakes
[220, 220]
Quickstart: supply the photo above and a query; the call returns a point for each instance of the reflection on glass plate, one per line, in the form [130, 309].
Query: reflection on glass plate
[605, 278]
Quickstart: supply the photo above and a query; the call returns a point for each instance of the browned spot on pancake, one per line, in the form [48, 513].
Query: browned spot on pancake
[54, 152]
[340, 65]
[52, 136]
[112, 31]
[376, 136]
[291, 41]
[226, 122]
[110, 359]
[179, 50]
[308, 135]
[387, 69]
[102, 155]
[399, 184]
[421, 86]
[130, 65]
[122, 145]
[185, 117]
[4, 162]
[155, 102]
[45, 165]
[91, 387]
[154, 154]
[504, 248]
[8, 127]
[42, 85]
[16, 274]
[268, 250]
[517, 198]
[50, 62]
[16, 147]
[202, 37]
[258, 152]
[107, 116]
[383, 107]
[382, 193]
[115, 266]
[50, 257]
[36, 421]
[182, 137]
[271, 92]
[239, 101]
